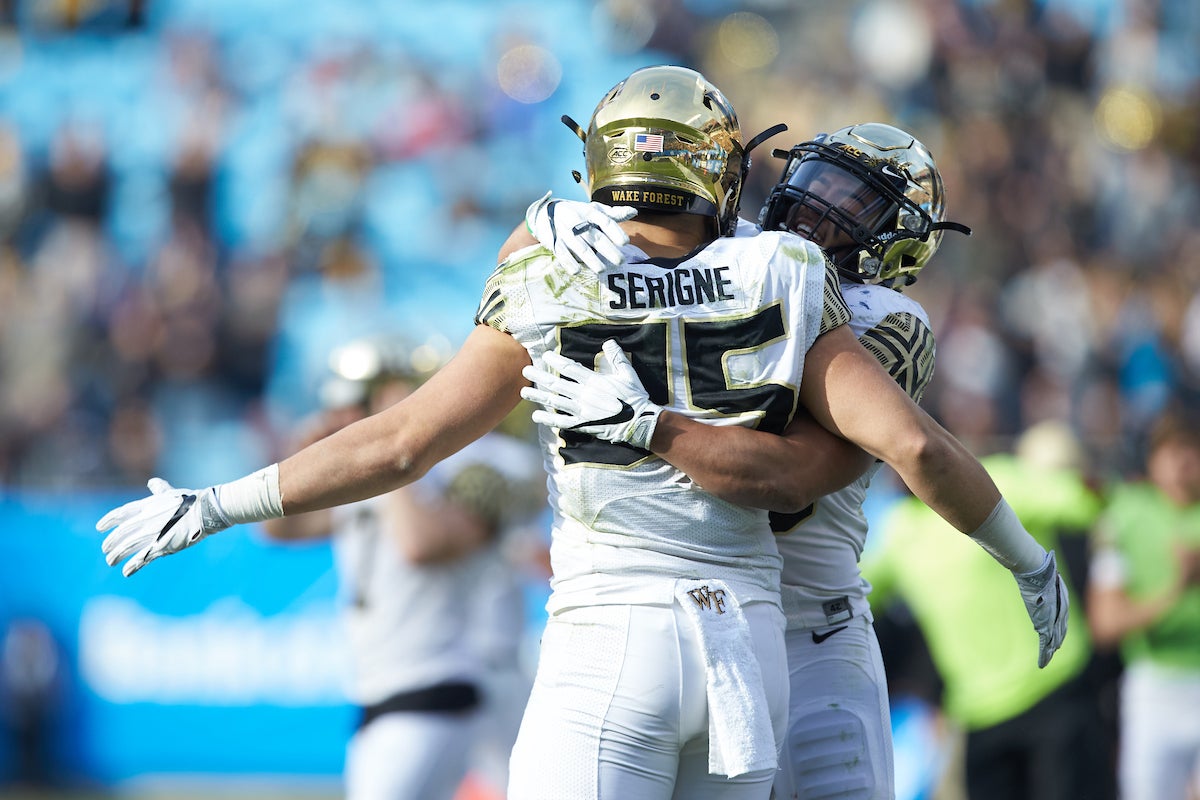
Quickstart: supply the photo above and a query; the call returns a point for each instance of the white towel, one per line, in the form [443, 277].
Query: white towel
[741, 738]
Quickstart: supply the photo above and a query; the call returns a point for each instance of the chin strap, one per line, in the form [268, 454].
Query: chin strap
[575, 127]
[957, 227]
[582, 134]
[762, 137]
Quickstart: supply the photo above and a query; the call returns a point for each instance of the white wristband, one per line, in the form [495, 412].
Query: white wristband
[252, 498]
[1004, 538]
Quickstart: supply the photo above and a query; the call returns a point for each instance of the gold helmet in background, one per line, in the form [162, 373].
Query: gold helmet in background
[665, 139]
[870, 195]
[361, 366]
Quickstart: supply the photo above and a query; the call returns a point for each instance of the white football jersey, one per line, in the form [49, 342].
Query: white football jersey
[409, 625]
[720, 336]
[821, 545]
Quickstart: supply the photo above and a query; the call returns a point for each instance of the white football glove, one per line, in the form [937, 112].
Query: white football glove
[579, 233]
[610, 404]
[1046, 600]
[166, 522]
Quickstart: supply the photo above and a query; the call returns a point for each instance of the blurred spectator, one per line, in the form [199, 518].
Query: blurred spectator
[29, 687]
[1145, 597]
[1030, 733]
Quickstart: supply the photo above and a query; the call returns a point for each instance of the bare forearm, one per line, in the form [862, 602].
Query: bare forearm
[946, 476]
[756, 469]
[847, 392]
[949, 479]
[362, 460]
[729, 462]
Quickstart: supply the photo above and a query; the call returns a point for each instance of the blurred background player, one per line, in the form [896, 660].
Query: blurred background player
[1029, 733]
[1144, 597]
[433, 608]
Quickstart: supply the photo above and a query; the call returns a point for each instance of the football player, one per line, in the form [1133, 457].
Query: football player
[662, 672]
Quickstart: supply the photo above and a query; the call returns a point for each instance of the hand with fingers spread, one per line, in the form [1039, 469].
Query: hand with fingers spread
[579, 233]
[1046, 600]
[166, 522]
[171, 519]
[610, 404]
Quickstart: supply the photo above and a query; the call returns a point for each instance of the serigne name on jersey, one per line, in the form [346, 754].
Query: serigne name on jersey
[678, 287]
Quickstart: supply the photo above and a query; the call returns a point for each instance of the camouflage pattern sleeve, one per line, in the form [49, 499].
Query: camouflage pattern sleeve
[491, 311]
[904, 345]
[834, 312]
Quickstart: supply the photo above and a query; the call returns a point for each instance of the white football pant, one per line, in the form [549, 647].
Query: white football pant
[839, 732]
[619, 708]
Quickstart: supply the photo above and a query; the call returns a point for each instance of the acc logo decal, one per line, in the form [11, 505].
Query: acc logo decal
[620, 155]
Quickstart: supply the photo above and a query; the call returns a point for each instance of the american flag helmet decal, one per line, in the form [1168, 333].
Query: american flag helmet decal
[649, 142]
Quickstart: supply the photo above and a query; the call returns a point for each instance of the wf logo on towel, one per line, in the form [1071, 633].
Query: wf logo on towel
[708, 599]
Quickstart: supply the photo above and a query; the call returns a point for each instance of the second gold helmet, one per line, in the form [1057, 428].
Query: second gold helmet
[870, 195]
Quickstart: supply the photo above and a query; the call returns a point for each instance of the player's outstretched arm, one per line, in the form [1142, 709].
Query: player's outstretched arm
[464, 400]
[849, 393]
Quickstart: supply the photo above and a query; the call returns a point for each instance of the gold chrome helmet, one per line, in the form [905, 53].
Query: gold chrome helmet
[870, 195]
[665, 139]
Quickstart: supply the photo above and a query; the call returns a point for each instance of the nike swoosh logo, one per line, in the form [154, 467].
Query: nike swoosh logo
[820, 637]
[624, 415]
[184, 504]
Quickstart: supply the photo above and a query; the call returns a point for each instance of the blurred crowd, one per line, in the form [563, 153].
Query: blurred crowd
[198, 200]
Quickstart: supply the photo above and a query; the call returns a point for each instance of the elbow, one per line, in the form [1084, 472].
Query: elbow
[920, 449]
[405, 461]
[405, 470]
